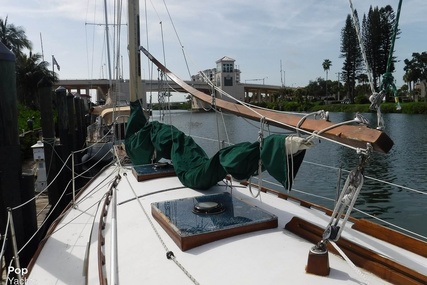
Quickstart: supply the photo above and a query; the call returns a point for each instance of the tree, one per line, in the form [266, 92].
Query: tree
[378, 28]
[350, 51]
[326, 66]
[30, 70]
[13, 37]
[416, 70]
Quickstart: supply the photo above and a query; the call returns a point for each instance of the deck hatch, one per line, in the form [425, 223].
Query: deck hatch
[190, 228]
[152, 171]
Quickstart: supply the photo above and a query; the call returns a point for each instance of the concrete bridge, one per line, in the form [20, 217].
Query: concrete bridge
[101, 86]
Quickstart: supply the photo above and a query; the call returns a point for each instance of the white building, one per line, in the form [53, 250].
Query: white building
[225, 76]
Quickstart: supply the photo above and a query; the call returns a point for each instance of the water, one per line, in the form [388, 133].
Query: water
[405, 164]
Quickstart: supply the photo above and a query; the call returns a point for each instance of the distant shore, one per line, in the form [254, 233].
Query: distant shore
[292, 106]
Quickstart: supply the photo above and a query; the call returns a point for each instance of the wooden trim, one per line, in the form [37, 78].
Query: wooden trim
[189, 242]
[374, 262]
[391, 236]
[152, 175]
[356, 136]
[101, 238]
[56, 222]
[302, 202]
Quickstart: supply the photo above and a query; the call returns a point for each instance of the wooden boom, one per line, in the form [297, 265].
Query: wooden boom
[353, 135]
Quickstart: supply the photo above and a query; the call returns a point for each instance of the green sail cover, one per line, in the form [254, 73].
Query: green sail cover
[194, 168]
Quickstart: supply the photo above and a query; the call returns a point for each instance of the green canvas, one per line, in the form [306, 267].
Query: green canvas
[147, 142]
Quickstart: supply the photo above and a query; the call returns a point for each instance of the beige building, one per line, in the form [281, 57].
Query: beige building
[225, 76]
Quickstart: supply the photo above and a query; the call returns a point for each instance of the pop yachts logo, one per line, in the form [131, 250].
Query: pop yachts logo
[16, 276]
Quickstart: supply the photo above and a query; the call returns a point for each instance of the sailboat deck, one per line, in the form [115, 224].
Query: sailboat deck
[268, 256]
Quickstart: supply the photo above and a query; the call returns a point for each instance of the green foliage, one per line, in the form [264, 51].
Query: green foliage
[25, 113]
[350, 51]
[361, 99]
[175, 106]
[27, 138]
[415, 108]
[26, 141]
[291, 106]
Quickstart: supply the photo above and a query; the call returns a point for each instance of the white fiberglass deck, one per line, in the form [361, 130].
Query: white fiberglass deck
[272, 256]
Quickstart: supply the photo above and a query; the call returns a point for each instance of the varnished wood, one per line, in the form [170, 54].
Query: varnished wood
[356, 136]
[391, 236]
[153, 175]
[318, 263]
[191, 241]
[379, 265]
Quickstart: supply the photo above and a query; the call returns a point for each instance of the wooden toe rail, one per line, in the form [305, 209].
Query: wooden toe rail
[374, 262]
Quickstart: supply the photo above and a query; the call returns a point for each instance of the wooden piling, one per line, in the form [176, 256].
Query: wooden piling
[10, 154]
[46, 112]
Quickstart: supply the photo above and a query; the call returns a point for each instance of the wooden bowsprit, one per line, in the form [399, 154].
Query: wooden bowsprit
[352, 135]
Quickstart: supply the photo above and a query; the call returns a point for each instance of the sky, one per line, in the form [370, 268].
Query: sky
[272, 42]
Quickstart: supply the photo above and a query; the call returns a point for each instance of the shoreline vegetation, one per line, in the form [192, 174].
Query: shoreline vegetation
[29, 119]
[292, 106]
[26, 114]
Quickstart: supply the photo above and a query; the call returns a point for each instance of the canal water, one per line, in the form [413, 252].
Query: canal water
[404, 165]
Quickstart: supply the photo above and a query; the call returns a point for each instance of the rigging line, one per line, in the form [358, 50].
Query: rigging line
[390, 224]
[53, 180]
[397, 185]
[65, 165]
[248, 106]
[217, 130]
[59, 217]
[5, 236]
[119, 32]
[390, 55]
[108, 43]
[179, 39]
[47, 217]
[150, 65]
[352, 265]
[312, 134]
[169, 253]
[91, 64]
[355, 209]
[361, 45]
[163, 44]
[224, 126]
[83, 198]
[370, 177]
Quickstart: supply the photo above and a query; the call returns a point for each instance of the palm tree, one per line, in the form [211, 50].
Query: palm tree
[30, 70]
[13, 37]
[326, 66]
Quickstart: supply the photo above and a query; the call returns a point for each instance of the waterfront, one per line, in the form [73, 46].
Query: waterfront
[405, 164]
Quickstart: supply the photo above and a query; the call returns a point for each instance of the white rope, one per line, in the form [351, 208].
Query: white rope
[362, 47]
[352, 265]
[5, 236]
[169, 253]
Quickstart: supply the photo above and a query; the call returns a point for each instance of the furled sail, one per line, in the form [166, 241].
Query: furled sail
[147, 142]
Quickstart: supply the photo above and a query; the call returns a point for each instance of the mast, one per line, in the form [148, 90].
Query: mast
[135, 83]
[108, 45]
